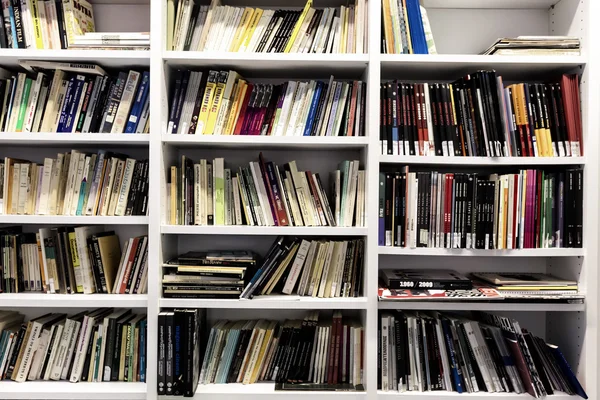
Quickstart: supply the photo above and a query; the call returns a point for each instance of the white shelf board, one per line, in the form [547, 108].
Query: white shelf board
[454, 66]
[504, 4]
[259, 390]
[425, 251]
[437, 395]
[262, 230]
[479, 306]
[69, 139]
[63, 390]
[271, 64]
[259, 142]
[46, 300]
[481, 161]
[106, 58]
[271, 302]
[74, 219]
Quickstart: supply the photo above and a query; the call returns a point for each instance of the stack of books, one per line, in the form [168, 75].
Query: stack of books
[73, 98]
[536, 46]
[317, 268]
[430, 351]
[315, 353]
[40, 24]
[213, 275]
[223, 103]
[180, 342]
[191, 26]
[93, 346]
[264, 195]
[83, 259]
[530, 285]
[112, 41]
[525, 210]
[75, 183]
[405, 28]
[478, 116]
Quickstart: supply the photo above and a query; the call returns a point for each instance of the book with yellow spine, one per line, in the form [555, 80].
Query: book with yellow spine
[408, 39]
[235, 108]
[292, 38]
[216, 103]
[37, 25]
[207, 99]
[240, 32]
[252, 24]
[263, 350]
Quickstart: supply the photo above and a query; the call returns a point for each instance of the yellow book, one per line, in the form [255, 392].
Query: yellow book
[263, 351]
[536, 288]
[37, 25]
[77, 270]
[207, 99]
[280, 270]
[170, 23]
[173, 216]
[240, 32]
[408, 40]
[525, 119]
[216, 103]
[232, 98]
[344, 29]
[387, 27]
[235, 108]
[290, 42]
[247, 36]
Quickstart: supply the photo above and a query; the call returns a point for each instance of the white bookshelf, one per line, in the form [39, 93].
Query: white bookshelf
[461, 28]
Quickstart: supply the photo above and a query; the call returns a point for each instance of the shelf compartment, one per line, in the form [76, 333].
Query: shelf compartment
[498, 305]
[480, 161]
[454, 66]
[258, 391]
[263, 230]
[268, 142]
[63, 390]
[69, 139]
[437, 395]
[73, 219]
[79, 300]
[272, 64]
[425, 251]
[271, 302]
[105, 58]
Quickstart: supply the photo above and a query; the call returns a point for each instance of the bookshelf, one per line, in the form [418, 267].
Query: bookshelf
[461, 28]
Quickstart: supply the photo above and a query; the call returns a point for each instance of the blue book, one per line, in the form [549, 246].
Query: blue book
[142, 349]
[567, 371]
[417, 33]
[456, 375]
[74, 104]
[313, 109]
[140, 100]
[13, 28]
[65, 105]
[381, 209]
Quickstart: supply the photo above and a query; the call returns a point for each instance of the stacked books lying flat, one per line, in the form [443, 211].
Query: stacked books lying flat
[317, 353]
[264, 195]
[40, 24]
[443, 285]
[525, 210]
[93, 346]
[112, 41]
[73, 98]
[180, 340]
[430, 351]
[75, 183]
[83, 259]
[478, 116]
[191, 26]
[223, 103]
[214, 274]
[536, 46]
[405, 28]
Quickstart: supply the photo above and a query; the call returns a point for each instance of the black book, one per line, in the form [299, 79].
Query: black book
[133, 189]
[88, 356]
[383, 139]
[196, 320]
[60, 260]
[145, 185]
[97, 110]
[579, 209]
[176, 97]
[62, 24]
[240, 350]
[112, 104]
[162, 346]
[185, 78]
[436, 121]
[18, 342]
[402, 351]
[111, 322]
[170, 340]
[116, 355]
[3, 37]
[96, 261]
[19, 28]
[496, 358]
[180, 352]
[538, 362]
[414, 130]
[267, 33]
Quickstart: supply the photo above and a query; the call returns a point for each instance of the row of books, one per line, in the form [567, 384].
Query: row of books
[524, 210]
[223, 103]
[75, 183]
[44, 24]
[264, 195]
[405, 28]
[83, 259]
[93, 346]
[320, 268]
[195, 27]
[430, 351]
[73, 98]
[317, 352]
[181, 339]
[478, 116]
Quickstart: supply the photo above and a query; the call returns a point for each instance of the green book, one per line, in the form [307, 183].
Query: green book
[219, 190]
[24, 102]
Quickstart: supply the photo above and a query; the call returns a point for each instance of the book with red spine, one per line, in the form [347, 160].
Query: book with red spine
[277, 194]
[242, 116]
[129, 266]
[351, 119]
[270, 197]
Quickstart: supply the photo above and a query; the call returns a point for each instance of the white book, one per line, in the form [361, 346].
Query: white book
[217, 29]
[32, 102]
[225, 29]
[304, 201]
[74, 184]
[124, 187]
[326, 30]
[197, 32]
[80, 347]
[261, 190]
[86, 279]
[64, 353]
[45, 24]
[302, 31]
[14, 112]
[23, 188]
[62, 91]
[334, 93]
[263, 22]
[45, 187]
[320, 30]
[181, 33]
[295, 207]
[56, 173]
[296, 267]
[328, 266]
[236, 201]
[286, 108]
[305, 109]
[208, 25]
[40, 354]
[55, 348]
[116, 179]
[122, 114]
[333, 40]
[297, 102]
[52, 20]
[232, 28]
[189, 102]
[27, 22]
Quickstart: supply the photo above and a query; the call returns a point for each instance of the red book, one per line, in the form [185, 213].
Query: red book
[419, 115]
[516, 202]
[577, 111]
[331, 354]
[270, 195]
[242, 117]
[448, 209]
[352, 112]
[129, 267]
[338, 343]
